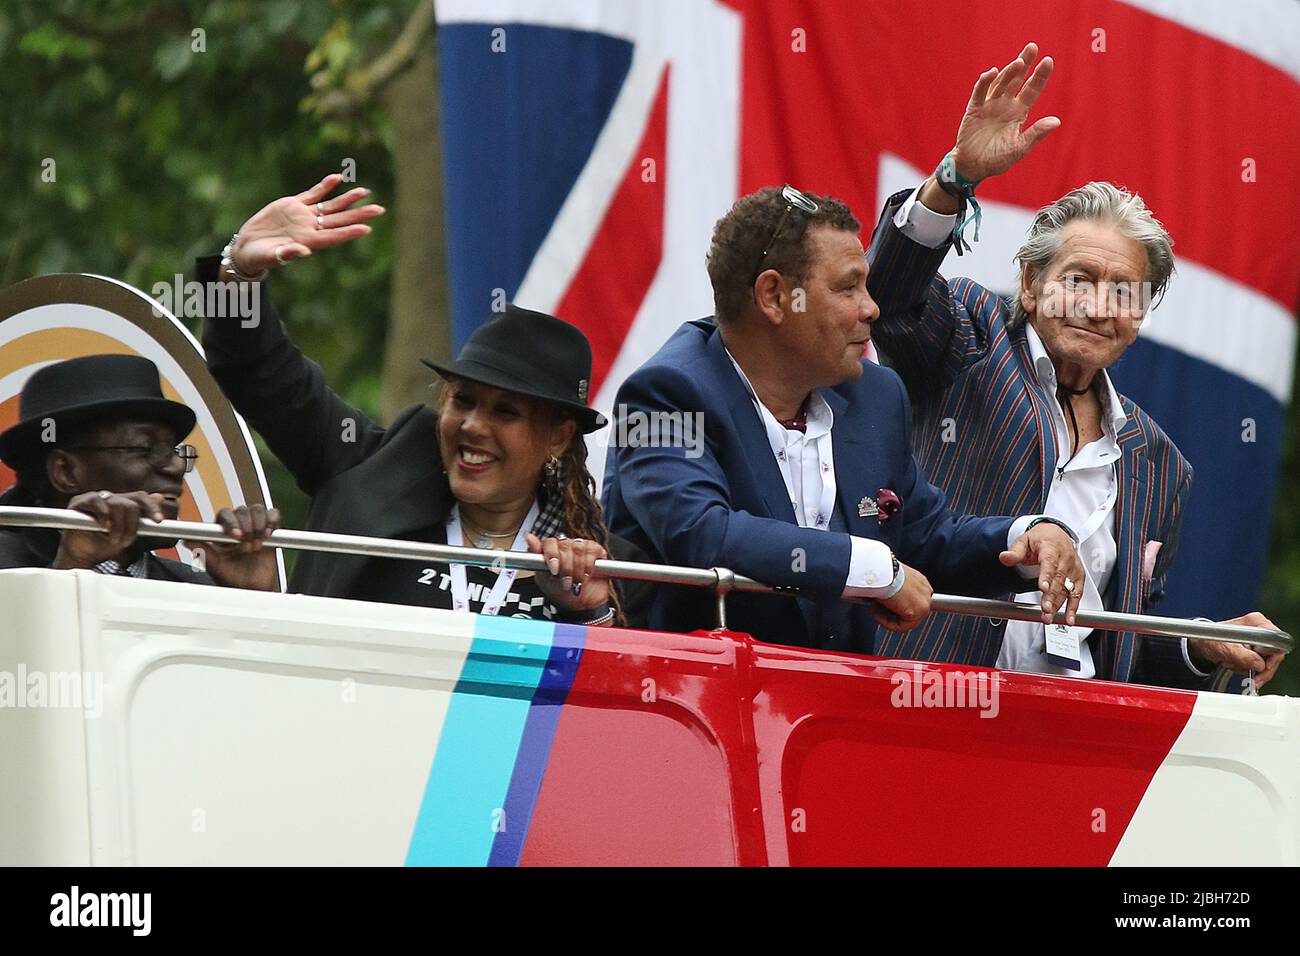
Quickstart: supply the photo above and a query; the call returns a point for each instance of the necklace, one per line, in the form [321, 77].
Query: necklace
[483, 539]
[1069, 406]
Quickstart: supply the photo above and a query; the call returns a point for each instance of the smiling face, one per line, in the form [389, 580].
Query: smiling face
[827, 341]
[115, 456]
[495, 443]
[1086, 305]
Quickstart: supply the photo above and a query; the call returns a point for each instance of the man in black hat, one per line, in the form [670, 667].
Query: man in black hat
[96, 435]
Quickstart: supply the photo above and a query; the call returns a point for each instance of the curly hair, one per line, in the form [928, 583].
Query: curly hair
[583, 517]
[740, 237]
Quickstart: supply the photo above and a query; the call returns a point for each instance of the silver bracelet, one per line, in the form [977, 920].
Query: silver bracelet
[228, 262]
[601, 621]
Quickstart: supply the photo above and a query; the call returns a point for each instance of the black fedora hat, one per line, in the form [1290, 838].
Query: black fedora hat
[534, 354]
[88, 389]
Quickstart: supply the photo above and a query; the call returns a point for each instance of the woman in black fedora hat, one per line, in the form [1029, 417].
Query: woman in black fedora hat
[498, 460]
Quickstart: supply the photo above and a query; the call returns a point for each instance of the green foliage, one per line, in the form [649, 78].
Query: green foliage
[1279, 593]
[168, 123]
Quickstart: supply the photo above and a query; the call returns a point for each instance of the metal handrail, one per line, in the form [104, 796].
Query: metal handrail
[721, 580]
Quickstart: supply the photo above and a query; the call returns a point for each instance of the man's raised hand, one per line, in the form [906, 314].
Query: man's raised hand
[992, 137]
[293, 227]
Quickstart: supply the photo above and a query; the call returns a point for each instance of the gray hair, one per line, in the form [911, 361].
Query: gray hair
[1105, 202]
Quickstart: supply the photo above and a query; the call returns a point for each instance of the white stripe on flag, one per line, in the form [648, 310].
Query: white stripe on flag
[1268, 29]
[574, 229]
[625, 20]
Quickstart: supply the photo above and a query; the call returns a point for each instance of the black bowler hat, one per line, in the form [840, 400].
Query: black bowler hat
[89, 389]
[534, 354]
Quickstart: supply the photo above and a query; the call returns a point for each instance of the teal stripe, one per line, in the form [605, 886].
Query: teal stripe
[462, 809]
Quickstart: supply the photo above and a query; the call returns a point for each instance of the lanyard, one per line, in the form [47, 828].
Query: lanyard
[459, 585]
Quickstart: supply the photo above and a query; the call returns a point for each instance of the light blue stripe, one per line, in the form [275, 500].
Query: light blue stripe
[462, 809]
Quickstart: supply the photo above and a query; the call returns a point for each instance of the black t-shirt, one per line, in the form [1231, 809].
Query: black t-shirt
[428, 584]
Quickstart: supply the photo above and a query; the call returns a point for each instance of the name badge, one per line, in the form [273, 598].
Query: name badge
[1063, 647]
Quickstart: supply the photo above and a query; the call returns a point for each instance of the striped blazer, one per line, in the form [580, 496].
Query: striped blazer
[983, 433]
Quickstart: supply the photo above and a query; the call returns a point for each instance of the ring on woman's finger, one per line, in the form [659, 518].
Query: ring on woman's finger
[320, 221]
[105, 495]
[278, 260]
[319, 211]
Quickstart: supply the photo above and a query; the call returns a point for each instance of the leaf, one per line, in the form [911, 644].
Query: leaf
[174, 58]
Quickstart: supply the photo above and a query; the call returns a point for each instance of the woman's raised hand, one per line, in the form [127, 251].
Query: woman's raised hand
[294, 227]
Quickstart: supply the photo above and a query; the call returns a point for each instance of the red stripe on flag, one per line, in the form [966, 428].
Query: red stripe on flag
[612, 282]
[1165, 111]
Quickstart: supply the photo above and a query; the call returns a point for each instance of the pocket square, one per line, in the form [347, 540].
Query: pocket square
[1149, 560]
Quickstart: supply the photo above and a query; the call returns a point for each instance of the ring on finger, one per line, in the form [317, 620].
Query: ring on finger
[1069, 586]
[105, 495]
[320, 221]
[279, 261]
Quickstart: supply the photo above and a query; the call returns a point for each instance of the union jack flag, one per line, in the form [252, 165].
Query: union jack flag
[590, 147]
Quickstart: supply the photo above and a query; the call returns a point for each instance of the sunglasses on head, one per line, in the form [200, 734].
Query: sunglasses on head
[793, 199]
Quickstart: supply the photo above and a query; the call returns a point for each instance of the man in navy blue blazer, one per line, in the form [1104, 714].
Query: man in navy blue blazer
[804, 477]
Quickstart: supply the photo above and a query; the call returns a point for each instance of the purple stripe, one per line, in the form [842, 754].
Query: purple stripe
[535, 744]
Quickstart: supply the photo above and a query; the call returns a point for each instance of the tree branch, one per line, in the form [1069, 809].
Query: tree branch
[364, 84]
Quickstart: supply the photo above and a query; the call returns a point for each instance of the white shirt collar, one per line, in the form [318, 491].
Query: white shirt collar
[1046, 373]
[820, 416]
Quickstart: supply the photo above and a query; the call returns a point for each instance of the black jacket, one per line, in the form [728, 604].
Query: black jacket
[38, 547]
[362, 479]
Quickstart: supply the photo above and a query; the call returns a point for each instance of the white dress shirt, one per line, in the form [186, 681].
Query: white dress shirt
[1083, 488]
[807, 464]
[1082, 494]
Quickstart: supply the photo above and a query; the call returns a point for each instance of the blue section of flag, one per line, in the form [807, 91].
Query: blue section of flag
[518, 126]
[464, 803]
[535, 749]
[1208, 413]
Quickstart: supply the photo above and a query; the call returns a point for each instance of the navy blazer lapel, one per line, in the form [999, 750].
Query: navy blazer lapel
[757, 451]
[750, 433]
[849, 449]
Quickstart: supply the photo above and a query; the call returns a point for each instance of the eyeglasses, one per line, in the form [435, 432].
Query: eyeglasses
[160, 454]
[793, 198]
